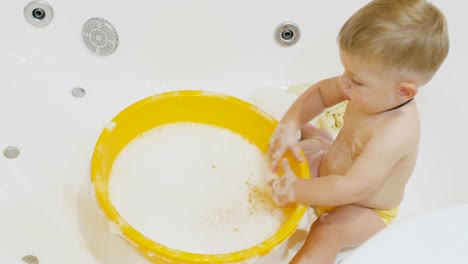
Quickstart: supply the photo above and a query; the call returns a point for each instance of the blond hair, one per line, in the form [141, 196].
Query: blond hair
[410, 35]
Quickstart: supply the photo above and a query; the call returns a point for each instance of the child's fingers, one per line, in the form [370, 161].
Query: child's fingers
[273, 163]
[270, 182]
[274, 166]
[285, 165]
[274, 157]
[296, 151]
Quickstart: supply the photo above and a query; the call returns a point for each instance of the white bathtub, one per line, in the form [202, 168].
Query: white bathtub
[227, 47]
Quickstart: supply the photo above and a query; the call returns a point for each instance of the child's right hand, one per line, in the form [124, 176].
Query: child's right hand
[284, 138]
[282, 187]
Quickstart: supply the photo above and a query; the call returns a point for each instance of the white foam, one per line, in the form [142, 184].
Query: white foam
[110, 126]
[196, 188]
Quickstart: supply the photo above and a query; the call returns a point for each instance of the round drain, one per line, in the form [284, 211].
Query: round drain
[287, 34]
[11, 152]
[38, 13]
[78, 92]
[100, 36]
[30, 259]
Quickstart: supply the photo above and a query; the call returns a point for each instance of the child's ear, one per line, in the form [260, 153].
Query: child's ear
[407, 90]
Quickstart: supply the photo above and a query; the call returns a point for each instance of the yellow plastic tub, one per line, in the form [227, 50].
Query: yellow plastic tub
[189, 106]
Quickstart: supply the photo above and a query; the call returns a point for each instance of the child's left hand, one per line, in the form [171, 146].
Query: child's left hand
[282, 187]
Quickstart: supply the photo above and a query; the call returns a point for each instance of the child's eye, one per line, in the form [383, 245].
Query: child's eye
[356, 83]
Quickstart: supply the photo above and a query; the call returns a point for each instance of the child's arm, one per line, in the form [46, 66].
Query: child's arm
[385, 148]
[314, 100]
[311, 103]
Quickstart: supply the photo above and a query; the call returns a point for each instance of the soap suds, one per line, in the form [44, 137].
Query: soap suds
[285, 136]
[283, 193]
[110, 126]
[196, 188]
[215, 94]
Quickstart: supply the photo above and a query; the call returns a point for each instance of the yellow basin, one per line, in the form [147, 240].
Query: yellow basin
[189, 106]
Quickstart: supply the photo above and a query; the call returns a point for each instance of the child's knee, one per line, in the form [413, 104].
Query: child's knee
[309, 131]
[314, 152]
[335, 218]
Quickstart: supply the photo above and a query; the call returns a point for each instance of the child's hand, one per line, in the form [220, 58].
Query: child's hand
[282, 187]
[284, 138]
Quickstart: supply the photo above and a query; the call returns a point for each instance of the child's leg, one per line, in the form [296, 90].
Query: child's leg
[314, 143]
[344, 226]
[309, 131]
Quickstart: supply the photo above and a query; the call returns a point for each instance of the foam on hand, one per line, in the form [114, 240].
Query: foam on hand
[283, 193]
[284, 137]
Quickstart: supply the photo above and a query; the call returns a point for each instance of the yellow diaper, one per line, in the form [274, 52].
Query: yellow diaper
[387, 215]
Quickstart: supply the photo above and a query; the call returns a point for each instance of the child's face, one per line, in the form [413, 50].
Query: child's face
[367, 86]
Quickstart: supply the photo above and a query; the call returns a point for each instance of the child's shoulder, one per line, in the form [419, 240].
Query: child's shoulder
[400, 126]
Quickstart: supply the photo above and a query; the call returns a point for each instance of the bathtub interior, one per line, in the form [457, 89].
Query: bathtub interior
[442, 232]
[225, 47]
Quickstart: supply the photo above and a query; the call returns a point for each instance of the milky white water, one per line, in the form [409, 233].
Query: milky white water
[195, 187]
